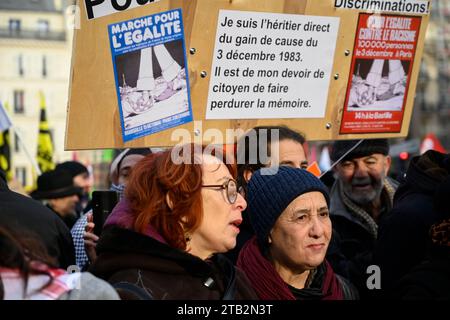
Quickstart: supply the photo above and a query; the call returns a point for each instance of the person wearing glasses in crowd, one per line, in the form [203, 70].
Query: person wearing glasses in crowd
[164, 239]
[285, 260]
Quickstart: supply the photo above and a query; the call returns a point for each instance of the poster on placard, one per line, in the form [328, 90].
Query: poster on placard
[266, 65]
[150, 71]
[383, 55]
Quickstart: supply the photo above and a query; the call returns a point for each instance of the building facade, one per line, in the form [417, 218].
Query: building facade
[432, 104]
[35, 56]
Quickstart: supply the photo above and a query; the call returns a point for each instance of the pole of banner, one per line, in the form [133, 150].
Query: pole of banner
[22, 143]
[345, 154]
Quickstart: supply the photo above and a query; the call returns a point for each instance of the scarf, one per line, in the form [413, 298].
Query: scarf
[361, 214]
[270, 286]
[36, 289]
[440, 233]
[119, 188]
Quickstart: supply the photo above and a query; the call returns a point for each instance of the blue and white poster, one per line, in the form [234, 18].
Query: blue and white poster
[149, 58]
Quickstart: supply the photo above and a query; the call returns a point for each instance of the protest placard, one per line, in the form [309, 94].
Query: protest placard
[305, 75]
[150, 70]
[261, 60]
[380, 74]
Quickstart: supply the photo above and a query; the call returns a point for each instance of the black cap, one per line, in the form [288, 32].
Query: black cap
[55, 184]
[365, 148]
[74, 168]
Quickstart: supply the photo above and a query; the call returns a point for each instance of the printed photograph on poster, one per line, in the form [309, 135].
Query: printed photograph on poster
[378, 85]
[380, 73]
[150, 69]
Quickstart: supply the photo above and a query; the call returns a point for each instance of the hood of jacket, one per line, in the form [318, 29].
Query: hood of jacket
[424, 174]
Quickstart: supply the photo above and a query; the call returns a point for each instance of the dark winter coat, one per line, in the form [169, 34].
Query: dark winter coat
[351, 248]
[403, 240]
[430, 280]
[25, 215]
[163, 272]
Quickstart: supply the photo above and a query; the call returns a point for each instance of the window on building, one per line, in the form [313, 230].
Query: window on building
[20, 68]
[16, 143]
[21, 175]
[14, 25]
[43, 26]
[44, 66]
[19, 105]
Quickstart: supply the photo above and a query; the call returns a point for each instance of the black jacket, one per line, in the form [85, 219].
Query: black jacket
[24, 214]
[352, 244]
[403, 239]
[430, 280]
[163, 272]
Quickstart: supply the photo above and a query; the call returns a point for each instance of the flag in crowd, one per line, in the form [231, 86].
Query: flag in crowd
[5, 150]
[45, 144]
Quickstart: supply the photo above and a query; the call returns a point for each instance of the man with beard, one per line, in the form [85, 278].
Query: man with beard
[360, 198]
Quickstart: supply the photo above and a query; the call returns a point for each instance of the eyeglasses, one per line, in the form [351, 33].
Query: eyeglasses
[231, 188]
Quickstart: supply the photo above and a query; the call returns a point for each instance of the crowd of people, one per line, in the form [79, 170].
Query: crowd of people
[190, 225]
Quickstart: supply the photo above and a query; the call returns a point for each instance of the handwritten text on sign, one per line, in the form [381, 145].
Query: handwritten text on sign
[269, 65]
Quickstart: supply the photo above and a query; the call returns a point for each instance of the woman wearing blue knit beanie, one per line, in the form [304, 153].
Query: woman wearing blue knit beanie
[288, 209]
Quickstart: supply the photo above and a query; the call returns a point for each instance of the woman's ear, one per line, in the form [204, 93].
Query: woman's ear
[169, 201]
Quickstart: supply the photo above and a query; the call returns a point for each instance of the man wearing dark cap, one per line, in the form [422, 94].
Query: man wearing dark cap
[57, 191]
[81, 179]
[360, 199]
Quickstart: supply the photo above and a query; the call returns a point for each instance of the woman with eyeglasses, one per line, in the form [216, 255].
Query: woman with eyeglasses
[163, 241]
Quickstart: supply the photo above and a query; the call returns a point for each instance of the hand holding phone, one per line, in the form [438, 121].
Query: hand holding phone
[103, 202]
[90, 239]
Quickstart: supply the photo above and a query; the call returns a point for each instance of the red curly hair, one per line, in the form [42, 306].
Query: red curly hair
[156, 176]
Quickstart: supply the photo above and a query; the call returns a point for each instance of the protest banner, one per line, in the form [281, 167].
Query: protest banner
[238, 64]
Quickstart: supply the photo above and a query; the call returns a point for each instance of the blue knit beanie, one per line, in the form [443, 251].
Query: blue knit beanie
[271, 190]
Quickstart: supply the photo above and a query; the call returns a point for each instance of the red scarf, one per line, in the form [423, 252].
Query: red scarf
[38, 287]
[267, 282]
